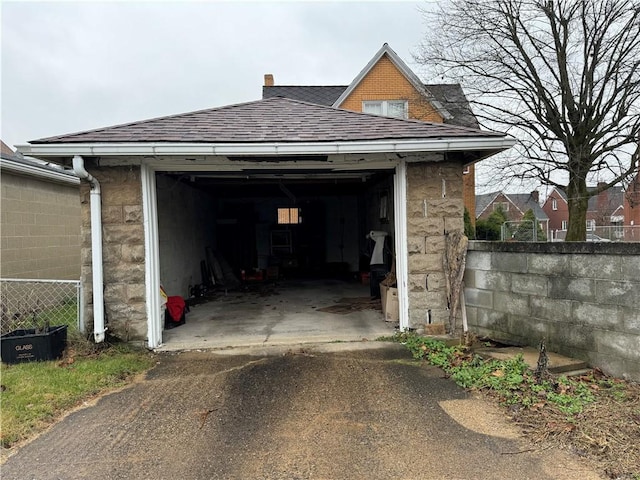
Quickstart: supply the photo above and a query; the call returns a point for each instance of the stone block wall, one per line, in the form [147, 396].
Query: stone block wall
[434, 208]
[39, 229]
[582, 298]
[123, 251]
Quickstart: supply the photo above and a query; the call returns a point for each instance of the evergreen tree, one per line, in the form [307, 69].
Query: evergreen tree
[468, 227]
[525, 231]
[490, 229]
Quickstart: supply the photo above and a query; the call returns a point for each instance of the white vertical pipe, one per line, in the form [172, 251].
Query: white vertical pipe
[96, 248]
[400, 215]
[152, 256]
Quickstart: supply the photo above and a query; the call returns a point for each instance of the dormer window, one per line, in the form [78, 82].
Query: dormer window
[387, 108]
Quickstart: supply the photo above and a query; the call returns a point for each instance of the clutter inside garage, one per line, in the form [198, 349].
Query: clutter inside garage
[221, 233]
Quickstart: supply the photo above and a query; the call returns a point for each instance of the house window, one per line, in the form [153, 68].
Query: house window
[387, 108]
[554, 204]
[564, 225]
[289, 216]
[503, 205]
[591, 225]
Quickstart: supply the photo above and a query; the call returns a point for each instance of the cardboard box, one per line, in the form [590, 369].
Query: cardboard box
[392, 313]
[383, 298]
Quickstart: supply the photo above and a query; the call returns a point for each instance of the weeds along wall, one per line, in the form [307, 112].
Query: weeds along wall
[582, 298]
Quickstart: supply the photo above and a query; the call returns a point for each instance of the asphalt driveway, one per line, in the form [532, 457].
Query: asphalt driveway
[301, 414]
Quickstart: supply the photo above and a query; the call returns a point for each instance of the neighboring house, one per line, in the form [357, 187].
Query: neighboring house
[40, 221]
[605, 213]
[514, 205]
[632, 203]
[557, 209]
[164, 189]
[387, 86]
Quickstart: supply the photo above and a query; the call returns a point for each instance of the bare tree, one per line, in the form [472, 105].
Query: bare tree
[563, 77]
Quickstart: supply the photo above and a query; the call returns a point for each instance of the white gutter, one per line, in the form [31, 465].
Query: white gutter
[96, 248]
[38, 171]
[269, 148]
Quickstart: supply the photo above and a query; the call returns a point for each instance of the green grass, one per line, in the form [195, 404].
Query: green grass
[35, 394]
[65, 314]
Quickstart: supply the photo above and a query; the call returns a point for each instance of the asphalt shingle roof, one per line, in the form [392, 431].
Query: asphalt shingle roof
[524, 202]
[483, 201]
[271, 120]
[450, 96]
[321, 95]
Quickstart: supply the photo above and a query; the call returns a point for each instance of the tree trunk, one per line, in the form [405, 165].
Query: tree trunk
[578, 204]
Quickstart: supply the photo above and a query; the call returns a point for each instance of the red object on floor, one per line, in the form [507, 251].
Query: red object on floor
[176, 306]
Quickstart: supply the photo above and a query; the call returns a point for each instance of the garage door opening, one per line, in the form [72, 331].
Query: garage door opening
[275, 257]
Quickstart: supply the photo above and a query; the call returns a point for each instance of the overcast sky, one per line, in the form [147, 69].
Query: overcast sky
[70, 66]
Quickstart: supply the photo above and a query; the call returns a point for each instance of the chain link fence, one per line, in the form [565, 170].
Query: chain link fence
[613, 233]
[27, 304]
[522, 231]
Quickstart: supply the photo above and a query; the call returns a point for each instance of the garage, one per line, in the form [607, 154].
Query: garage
[283, 190]
[268, 255]
[235, 231]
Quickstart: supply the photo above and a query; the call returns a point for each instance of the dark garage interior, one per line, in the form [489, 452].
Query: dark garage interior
[234, 234]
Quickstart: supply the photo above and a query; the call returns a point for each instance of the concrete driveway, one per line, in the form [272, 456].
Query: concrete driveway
[312, 414]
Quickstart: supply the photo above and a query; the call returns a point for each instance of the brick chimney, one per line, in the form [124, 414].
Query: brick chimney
[536, 196]
[268, 80]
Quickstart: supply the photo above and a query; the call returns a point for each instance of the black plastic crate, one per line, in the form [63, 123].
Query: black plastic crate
[28, 346]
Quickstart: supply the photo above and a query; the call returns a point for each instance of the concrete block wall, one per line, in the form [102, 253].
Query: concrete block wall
[123, 251]
[434, 208]
[582, 298]
[40, 229]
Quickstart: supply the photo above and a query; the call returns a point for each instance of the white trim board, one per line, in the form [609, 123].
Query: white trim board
[400, 216]
[152, 258]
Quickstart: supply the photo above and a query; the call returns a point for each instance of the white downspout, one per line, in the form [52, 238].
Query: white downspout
[96, 248]
[402, 255]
